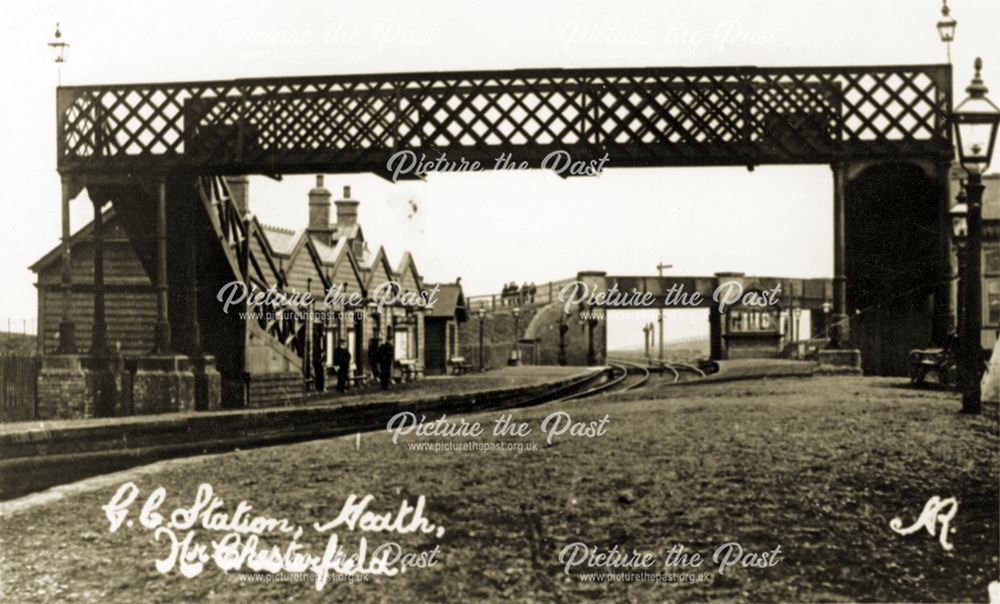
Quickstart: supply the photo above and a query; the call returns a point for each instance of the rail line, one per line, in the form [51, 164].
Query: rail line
[619, 380]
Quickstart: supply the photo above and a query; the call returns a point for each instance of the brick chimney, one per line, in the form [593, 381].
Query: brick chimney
[347, 216]
[347, 210]
[319, 207]
[239, 186]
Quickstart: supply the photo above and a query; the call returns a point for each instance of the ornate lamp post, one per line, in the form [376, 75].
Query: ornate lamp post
[482, 316]
[946, 27]
[516, 357]
[659, 317]
[976, 120]
[59, 47]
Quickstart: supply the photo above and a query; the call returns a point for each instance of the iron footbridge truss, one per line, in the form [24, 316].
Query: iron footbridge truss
[639, 117]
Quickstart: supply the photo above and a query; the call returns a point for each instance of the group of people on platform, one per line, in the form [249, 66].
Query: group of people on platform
[380, 361]
[512, 295]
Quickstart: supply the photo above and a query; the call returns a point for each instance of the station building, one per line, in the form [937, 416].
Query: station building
[330, 248]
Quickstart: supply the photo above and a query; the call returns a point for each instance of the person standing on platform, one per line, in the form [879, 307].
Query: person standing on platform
[373, 358]
[342, 361]
[386, 355]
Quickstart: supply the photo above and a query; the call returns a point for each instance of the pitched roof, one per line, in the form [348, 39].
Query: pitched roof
[380, 258]
[450, 302]
[83, 232]
[283, 241]
[407, 262]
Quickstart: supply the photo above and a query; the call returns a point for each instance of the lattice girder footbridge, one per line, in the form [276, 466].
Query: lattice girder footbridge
[639, 117]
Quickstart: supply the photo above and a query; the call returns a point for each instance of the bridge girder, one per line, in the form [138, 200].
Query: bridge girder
[639, 117]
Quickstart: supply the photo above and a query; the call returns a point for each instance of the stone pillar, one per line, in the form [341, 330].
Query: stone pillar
[62, 388]
[840, 327]
[163, 380]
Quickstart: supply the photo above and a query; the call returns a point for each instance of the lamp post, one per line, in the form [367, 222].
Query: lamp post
[59, 47]
[517, 353]
[946, 27]
[976, 120]
[659, 318]
[482, 316]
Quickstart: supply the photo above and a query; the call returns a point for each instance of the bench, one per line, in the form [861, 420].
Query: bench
[410, 370]
[940, 361]
[459, 365]
[358, 378]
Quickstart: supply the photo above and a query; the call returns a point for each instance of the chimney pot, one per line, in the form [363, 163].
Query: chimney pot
[319, 207]
[347, 209]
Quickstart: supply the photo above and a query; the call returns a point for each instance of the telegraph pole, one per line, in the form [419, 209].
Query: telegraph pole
[659, 319]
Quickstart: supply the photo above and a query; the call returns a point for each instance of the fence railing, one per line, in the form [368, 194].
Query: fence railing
[18, 387]
[534, 294]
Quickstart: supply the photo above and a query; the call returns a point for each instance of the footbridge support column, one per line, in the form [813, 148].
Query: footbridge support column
[62, 382]
[163, 380]
[840, 356]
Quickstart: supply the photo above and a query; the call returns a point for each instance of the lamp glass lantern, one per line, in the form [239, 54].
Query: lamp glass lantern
[946, 26]
[58, 46]
[976, 120]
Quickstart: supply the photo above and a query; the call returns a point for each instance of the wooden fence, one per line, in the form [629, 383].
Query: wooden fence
[18, 387]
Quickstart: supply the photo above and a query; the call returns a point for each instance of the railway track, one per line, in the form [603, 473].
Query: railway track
[624, 375]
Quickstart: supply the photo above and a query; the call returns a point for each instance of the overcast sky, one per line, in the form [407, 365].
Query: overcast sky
[489, 228]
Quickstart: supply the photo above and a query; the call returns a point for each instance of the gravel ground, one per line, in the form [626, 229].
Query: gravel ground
[816, 466]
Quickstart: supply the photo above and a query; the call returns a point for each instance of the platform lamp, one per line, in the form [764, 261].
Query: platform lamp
[59, 47]
[946, 27]
[976, 120]
[482, 317]
[517, 353]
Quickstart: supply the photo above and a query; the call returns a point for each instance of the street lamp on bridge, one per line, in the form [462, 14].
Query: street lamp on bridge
[516, 356]
[59, 47]
[946, 27]
[976, 120]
